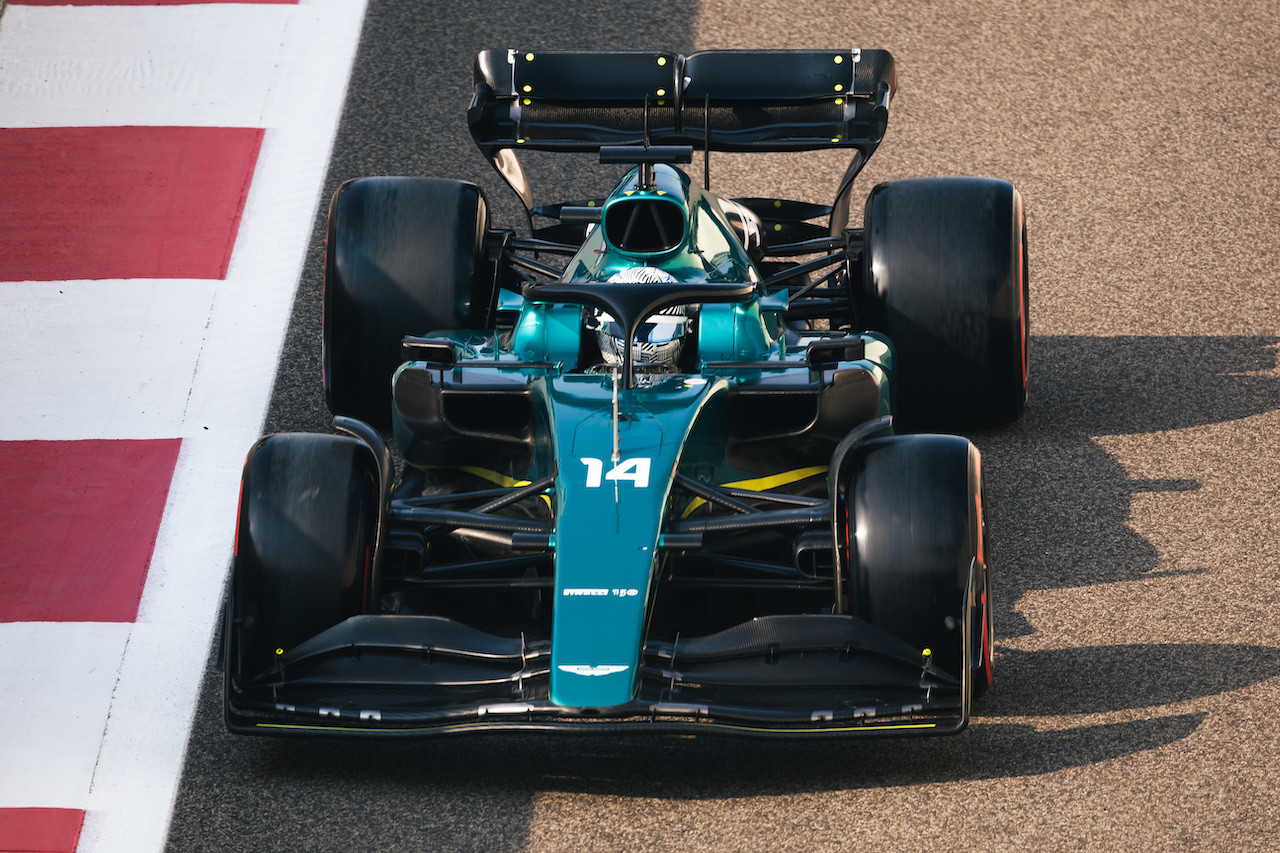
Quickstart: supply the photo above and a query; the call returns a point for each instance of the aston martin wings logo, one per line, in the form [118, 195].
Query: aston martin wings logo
[584, 669]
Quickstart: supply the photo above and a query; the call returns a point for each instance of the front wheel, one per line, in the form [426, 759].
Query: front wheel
[915, 528]
[304, 546]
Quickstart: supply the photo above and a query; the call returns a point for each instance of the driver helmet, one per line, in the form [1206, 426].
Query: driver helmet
[659, 338]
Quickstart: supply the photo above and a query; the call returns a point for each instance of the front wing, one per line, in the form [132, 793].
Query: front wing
[775, 676]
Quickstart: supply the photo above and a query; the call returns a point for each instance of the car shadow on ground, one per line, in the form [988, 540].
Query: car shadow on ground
[707, 768]
[1102, 679]
[1059, 503]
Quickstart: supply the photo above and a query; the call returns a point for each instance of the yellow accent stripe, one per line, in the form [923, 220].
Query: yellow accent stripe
[492, 476]
[764, 484]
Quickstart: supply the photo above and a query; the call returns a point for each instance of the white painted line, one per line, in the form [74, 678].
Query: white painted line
[201, 65]
[100, 359]
[141, 757]
[56, 679]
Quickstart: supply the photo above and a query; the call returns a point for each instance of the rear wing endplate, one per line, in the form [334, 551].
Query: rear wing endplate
[716, 100]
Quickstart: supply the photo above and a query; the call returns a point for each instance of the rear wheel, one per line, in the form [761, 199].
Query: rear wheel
[404, 256]
[914, 510]
[304, 545]
[945, 278]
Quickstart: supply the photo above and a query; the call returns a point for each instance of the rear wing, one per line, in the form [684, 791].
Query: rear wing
[715, 100]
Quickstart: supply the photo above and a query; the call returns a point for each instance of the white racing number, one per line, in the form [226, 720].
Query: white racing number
[636, 470]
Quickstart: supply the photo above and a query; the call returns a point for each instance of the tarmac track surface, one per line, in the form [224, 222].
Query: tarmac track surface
[1133, 510]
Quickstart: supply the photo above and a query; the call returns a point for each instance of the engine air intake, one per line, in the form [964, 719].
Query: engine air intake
[644, 226]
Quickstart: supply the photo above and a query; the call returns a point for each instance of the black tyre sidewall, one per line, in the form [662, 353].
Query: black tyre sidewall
[945, 278]
[304, 545]
[403, 256]
[914, 518]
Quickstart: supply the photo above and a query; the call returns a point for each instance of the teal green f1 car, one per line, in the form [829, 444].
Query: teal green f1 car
[662, 461]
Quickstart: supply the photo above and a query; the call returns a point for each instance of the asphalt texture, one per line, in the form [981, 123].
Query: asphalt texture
[1133, 509]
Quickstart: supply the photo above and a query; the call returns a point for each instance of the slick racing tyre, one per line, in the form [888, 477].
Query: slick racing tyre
[404, 256]
[945, 278]
[304, 546]
[915, 520]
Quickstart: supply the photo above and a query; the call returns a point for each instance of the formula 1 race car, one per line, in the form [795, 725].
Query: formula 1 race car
[680, 481]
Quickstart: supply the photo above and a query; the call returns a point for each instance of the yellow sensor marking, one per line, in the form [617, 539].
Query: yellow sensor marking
[528, 57]
[839, 87]
[528, 88]
[528, 101]
[662, 92]
[839, 100]
[839, 59]
[662, 60]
